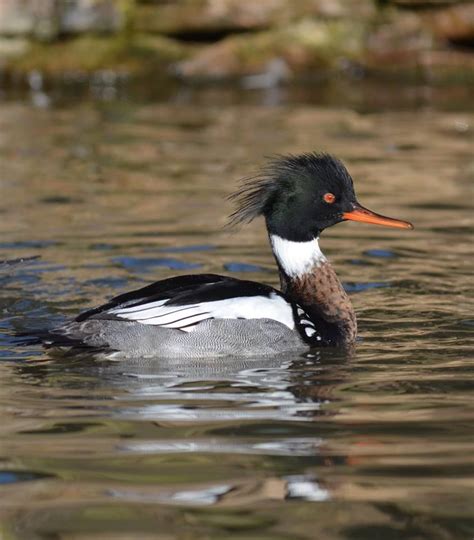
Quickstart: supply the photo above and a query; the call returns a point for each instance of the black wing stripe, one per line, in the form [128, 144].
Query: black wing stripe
[177, 320]
[125, 311]
[195, 323]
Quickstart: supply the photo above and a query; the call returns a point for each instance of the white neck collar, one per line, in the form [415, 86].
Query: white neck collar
[297, 258]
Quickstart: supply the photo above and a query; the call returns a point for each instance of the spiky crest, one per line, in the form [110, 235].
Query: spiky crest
[256, 192]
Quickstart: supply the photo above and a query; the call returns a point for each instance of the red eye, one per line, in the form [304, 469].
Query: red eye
[329, 198]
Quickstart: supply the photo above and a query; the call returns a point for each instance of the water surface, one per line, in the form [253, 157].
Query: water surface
[98, 197]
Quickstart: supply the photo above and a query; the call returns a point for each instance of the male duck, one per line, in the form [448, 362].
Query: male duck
[211, 315]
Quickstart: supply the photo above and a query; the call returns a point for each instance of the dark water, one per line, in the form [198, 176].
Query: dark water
[113, 193]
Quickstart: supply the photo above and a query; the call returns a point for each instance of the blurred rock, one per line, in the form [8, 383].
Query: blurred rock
[47, 19]
[30, 17]
[422, 4]
[90, 15]
[397, 41]
[303, 47]
[201, 16]
[455, 23]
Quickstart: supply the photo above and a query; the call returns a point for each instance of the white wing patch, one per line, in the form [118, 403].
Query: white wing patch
[187, 317]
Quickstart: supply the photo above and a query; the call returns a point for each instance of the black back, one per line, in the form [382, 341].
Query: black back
[184, 290]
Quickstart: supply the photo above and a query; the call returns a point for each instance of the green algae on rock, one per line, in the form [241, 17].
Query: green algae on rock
[88, 54]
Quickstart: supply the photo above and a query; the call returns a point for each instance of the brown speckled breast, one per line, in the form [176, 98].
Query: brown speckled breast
[320, 292]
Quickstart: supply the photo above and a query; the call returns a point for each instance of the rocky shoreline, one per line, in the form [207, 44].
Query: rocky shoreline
[261, 43]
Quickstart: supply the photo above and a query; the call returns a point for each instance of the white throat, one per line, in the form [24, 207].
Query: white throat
[297, 258]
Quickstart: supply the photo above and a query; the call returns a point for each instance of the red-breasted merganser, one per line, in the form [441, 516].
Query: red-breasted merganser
[211, 315]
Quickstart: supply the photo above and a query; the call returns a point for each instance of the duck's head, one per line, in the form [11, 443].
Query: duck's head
[300, 196]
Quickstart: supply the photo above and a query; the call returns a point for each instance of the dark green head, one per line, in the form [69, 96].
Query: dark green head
[300, 196]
